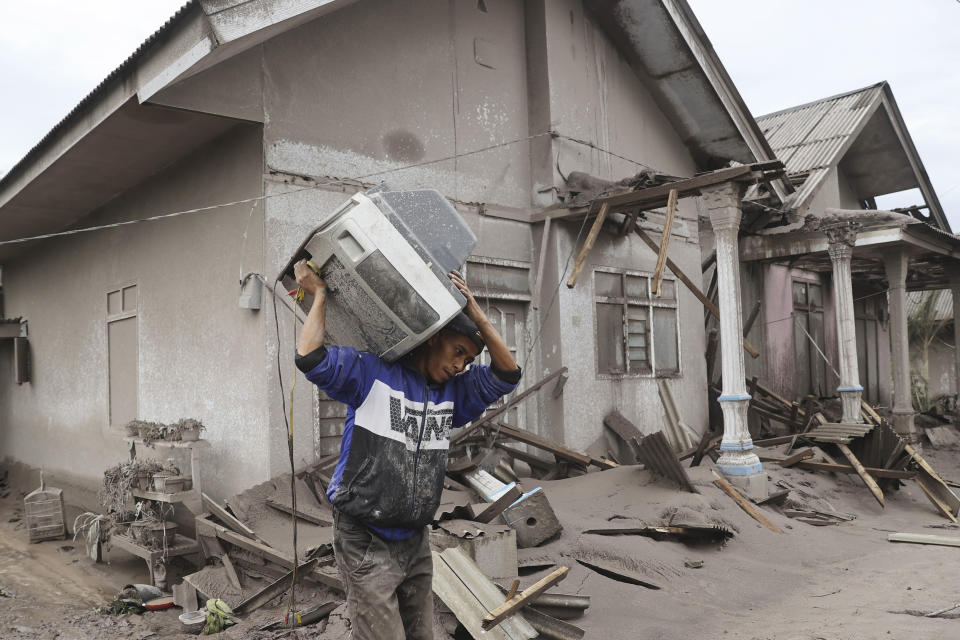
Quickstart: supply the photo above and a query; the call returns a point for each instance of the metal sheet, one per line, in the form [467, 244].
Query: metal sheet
[656, 455]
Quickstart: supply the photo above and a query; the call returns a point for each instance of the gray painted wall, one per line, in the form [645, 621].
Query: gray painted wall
[200, 355]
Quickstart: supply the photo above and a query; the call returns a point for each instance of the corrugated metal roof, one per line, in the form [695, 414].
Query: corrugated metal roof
[811, 138]
[942, 306]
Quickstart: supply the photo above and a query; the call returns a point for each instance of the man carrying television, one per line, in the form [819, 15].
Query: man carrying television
[387, 483]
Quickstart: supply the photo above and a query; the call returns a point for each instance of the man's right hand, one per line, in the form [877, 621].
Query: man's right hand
[307, 278]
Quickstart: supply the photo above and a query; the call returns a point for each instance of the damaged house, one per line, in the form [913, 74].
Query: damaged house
[830, 278]
[245, 123]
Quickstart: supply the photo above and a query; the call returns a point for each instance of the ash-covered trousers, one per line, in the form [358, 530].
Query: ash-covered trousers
[388, 584]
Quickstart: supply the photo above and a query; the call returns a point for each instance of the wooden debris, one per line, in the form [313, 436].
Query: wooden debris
[682, 277]
[227, 518]
[864, 475]
[559, 451]
[494, 509]
[588, 245]
[625, 430]
[942, 437]
[657, 456]
[924, 538]
[744, 503]
[810, 465]
[470, 595]
[664, 242]
[934, 487]
[797, 456]
[514, 604]
[490, 415]
[777, 498]
[306, 517]
[275, 588]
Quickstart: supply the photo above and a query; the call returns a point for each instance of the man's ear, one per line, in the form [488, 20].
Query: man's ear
[432, 340]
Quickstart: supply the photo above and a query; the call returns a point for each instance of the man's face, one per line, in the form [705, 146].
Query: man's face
[449, 353]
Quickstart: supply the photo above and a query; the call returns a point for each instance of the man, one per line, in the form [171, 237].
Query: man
[386, 486]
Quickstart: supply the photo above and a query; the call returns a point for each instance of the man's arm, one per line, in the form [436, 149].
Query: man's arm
[311, 337]
[500, 355]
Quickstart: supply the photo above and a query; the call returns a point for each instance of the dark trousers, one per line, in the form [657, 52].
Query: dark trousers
[388, 584]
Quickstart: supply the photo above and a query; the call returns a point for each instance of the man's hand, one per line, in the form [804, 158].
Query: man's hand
[307, 278]
[500, 354]
[473, 310]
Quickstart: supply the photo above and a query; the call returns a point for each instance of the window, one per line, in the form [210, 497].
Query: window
[637, 333]
[122, 354]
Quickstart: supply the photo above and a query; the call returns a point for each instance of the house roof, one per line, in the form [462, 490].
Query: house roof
[69, 174]
[668, 48]
[861, 131]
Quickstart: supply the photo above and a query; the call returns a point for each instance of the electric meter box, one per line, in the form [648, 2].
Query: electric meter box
[385, 256]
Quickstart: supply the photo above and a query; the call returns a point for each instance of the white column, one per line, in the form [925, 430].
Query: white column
[841, 237]
[895, 263]
[955, 290]
[737, 458]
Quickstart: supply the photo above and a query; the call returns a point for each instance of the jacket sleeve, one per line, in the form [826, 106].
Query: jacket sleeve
[345, 374]
[476, 390]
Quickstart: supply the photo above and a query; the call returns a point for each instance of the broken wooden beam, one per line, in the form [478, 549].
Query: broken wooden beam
[694, 289]
[797, 456]
[521, 600]
[810, 465]
[936, 490]
[306, 517]
[228, 518]
[664, 243]
[490, 415]
[862, 472]
[498, 506]
[744, 504]
[588, 245]
[206, 527]
[556, 449]
[275, 588]
[924, 538]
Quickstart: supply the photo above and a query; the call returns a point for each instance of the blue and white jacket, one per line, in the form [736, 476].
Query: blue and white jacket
[393, 453]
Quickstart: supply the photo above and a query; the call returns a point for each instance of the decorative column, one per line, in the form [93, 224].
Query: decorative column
[841, 237]
[955, 290]
[895, 263]
[737, 459]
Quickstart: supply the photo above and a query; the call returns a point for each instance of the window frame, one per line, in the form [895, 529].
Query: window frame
[650, 303]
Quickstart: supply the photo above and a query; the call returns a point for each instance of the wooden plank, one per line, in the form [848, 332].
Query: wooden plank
[495, 508]
[275, 588]
[616, 422]
[541, 264]
[664, 243]
[655, 197]
[306, 517]
[227, 518]
[588, 245]
[744, 504]
[924, 538]
[213, 547]
[490, 415]
[933, 485]
[521, 600]
[707, 442]
[798, 456]
[870, 412]
[529, 458]
[682, 277]
[862, 472]
[754, 313]
[547, 445]
[264, 551]
[809, 465]
[772, 442]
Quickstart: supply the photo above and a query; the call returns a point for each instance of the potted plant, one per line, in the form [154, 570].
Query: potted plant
[186, 429]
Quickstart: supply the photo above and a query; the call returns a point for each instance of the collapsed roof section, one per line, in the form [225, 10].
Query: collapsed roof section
[668, 49]
[862, 133]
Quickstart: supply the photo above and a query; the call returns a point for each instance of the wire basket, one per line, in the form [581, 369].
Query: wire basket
[43, 509]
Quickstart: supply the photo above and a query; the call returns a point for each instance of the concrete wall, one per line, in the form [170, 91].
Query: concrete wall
[200, 355]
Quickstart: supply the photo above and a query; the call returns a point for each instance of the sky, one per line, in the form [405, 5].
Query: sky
[779, 53]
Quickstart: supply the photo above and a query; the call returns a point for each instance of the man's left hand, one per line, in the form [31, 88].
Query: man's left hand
[472, 309]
